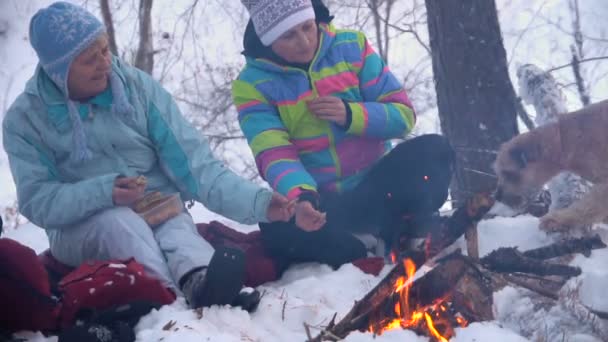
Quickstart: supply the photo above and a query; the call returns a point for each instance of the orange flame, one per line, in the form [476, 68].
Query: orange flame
[393, 257]
[410, 317]
[431, 326]
[461, 321]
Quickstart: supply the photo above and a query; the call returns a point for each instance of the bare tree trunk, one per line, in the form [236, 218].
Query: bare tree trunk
[524, 116]
[540, 89]
[144, 59]
[476, 100]
[388, 10]
[106, 13]
[578, 77]
[374, 6]
[578, 53]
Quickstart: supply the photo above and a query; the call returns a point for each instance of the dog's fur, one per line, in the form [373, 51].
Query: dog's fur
[578, 143]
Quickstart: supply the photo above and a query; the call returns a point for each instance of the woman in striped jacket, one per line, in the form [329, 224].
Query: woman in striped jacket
[319, 109]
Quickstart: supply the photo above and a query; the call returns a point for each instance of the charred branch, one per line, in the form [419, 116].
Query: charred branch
[542, 285]
[582, 245]
[510, 260]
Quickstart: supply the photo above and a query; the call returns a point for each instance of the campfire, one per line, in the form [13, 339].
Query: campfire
[454, 290]
[436, 319]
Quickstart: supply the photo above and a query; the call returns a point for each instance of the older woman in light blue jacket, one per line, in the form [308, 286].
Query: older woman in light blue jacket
[84, 127]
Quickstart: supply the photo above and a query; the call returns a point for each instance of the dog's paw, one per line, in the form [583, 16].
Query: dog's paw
[558, 222]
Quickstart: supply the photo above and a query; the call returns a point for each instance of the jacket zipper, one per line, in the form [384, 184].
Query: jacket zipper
[332, 147]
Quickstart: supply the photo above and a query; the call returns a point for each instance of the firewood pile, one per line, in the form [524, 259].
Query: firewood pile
[455, 289]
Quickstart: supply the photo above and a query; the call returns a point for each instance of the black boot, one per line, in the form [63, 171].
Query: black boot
[217, 284]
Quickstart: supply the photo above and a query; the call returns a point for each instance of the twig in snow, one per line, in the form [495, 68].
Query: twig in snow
[307, 329]
[283, 311]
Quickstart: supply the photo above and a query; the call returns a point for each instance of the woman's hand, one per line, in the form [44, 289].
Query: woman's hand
[329, 108]
[127, 190]
[280, 208]
[308, 218]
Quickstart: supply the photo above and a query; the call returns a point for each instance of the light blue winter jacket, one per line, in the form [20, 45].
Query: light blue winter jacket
[155, 141]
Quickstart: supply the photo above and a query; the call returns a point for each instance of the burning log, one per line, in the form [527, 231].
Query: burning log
[458, 289]
[431, 299]
[400, 301]
[463, 220]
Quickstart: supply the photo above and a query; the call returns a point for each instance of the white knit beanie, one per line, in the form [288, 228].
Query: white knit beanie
[272, 18]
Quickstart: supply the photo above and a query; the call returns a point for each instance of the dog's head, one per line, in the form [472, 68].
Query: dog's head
[520, 170]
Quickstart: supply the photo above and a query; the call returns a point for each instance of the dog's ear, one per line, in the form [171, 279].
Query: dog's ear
[525, 153]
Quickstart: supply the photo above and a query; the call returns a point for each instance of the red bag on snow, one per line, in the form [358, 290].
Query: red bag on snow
[99, 285]
[26, 302]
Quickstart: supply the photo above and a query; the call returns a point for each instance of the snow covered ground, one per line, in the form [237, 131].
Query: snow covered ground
[312, 293]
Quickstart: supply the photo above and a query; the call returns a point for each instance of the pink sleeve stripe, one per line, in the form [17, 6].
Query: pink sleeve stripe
[328, 169]
[266, 157]
[398, 97]
[377, 79]
[312, 144]
[365, 118]
[294, 193]
[369, 50]
[280, 176]
[248, 104]
[337, 83]
[294, 102]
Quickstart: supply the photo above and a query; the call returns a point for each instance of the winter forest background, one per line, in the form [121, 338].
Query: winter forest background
[193, 48]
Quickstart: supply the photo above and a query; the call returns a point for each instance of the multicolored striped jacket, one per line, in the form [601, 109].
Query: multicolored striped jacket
[296, 151]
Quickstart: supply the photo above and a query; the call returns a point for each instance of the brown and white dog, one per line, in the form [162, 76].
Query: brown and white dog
[578, 143]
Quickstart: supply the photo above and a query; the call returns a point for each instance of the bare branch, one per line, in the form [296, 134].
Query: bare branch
[374, 7]
[579, 62]
[406, 28]
[578, 53]
[106, 13]
[580, 82]
[144, 59]
[523, 32]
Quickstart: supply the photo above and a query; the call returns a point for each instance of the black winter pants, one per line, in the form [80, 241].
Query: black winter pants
[411, 180]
